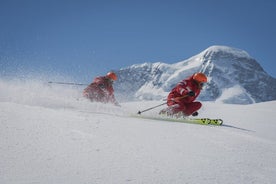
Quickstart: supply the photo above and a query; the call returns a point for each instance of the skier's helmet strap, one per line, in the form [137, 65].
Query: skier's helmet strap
[200, 77]
[112, 75]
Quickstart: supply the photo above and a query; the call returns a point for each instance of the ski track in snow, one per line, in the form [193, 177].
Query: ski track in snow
[57, 137]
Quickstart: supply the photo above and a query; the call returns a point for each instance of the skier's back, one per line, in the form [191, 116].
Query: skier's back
[101, 89]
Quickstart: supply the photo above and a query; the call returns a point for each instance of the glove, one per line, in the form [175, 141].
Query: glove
[191, 93]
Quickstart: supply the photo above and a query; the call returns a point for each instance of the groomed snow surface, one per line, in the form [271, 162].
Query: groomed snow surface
[49, 134]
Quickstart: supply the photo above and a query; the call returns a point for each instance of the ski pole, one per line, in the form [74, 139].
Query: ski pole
[139, 112]
[68, 83]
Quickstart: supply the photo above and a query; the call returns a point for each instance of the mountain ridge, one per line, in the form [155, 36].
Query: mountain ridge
[233, 77]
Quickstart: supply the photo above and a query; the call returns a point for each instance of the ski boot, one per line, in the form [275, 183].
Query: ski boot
[195, 114]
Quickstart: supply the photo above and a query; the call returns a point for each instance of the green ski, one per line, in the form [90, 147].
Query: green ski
[201, 121]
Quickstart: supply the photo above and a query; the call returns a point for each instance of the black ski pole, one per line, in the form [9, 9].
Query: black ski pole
[139, 112]
[68, 83]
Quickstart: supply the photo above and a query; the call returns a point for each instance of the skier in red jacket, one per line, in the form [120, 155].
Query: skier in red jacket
[101, 89]
[181, 100]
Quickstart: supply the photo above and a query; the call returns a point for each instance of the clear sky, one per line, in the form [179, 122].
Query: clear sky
[85, 38]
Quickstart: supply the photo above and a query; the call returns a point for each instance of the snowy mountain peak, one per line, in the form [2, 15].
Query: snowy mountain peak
[226, 50]
[233, 77]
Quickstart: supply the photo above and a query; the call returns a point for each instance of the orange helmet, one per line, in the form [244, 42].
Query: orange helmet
[200, 77]
[112, 75]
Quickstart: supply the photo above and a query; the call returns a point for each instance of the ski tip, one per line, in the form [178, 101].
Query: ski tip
[139, 112]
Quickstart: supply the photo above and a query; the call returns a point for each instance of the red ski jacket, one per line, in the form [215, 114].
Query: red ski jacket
[182, 89]
[100, 90]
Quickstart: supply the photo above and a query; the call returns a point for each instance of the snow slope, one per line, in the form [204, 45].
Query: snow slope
[49, 134]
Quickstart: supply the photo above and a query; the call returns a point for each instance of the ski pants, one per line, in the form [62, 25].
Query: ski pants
[187, 108]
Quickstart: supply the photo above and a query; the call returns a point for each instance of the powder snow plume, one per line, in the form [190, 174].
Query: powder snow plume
[34, 92]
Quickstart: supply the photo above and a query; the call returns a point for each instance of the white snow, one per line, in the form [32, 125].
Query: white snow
[235, 51]
[235, 94]
[226, 67]
[49, 134]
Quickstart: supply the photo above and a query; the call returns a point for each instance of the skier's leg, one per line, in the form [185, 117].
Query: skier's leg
[191, 108]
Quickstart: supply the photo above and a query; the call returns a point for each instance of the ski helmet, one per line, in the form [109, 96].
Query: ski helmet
[200, 77]
[112, 75]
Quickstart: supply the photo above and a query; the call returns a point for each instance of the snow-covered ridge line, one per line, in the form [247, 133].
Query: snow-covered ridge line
[225, 67]
[230, 50]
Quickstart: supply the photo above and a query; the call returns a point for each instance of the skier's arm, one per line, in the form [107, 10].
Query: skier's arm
[182, 89]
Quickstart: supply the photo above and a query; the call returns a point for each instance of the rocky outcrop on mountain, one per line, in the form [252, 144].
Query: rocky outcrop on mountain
[233, 77]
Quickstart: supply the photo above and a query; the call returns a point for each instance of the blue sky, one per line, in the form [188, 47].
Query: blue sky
[82, 38]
